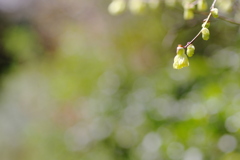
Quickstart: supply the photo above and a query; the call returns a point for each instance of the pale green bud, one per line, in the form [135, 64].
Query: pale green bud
[205, 33]
[136, 6]
[188, 14]
[202, 5]
[190, 50]
[117, 7]
[180, 50]
[207, 25]
[180, 60]
[214, 12]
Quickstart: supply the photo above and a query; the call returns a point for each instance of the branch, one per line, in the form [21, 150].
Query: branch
[188, 43]
[204, 24]
[212, 6]
[220, 17]
[228, 20]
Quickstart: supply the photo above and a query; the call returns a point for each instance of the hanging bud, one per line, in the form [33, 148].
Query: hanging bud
[190, 50]
[117, 7]
[136, 6]
[214, 12]
[205, 33]
[188, 13]
[180, 60]
[207, 25]
[202, 5]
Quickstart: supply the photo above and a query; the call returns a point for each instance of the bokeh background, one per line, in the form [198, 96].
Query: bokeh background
[79, 83]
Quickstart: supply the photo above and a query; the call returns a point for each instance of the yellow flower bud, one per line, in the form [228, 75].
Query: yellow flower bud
[205, 34]
[214, 12]
[180, 60]
[188, 14]
[190, 50]
[202, 5]
[207, 25]
[188, 11]
[117, 7]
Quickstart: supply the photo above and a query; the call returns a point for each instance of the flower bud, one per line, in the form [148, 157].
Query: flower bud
[207, 25]
[136, 6]
[202, 5]
[214, 12]
[117, 7]
[190, 50]
[180, 49]
[180, 60]
[188, 12]
[205, 33]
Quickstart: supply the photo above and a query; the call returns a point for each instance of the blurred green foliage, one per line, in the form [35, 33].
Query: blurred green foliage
[89, 85]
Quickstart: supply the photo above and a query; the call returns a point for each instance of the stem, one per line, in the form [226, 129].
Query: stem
[213, 4]
[221, 18]
[204, 24]
[188, 43]
[228, 20]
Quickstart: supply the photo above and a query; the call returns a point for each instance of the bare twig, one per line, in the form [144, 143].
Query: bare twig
[204, 24]
[228, 20]
[188, 43]
[221, 18]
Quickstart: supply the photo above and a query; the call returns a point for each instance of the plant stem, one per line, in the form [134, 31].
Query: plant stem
[221, 18]
[228, 20]
[188, 43]
[213, 4]
[204, 24]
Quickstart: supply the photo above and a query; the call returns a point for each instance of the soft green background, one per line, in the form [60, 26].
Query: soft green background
[78, 83]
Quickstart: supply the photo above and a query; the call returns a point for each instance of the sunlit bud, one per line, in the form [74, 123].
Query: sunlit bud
[188, 14]
[190, 50]
[207, 25]
[202, 5]
[180, 60]
[214, 12]
[117, 7]
[180, 49]
[136, 6]
[205, 33]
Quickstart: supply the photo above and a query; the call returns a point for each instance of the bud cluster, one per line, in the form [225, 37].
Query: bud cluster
[181, 59]
[189, 8]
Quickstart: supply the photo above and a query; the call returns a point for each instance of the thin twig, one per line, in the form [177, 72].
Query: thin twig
[228, 20]
[204, 24]
[213, 4]
[188, 43]
[220, 17]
